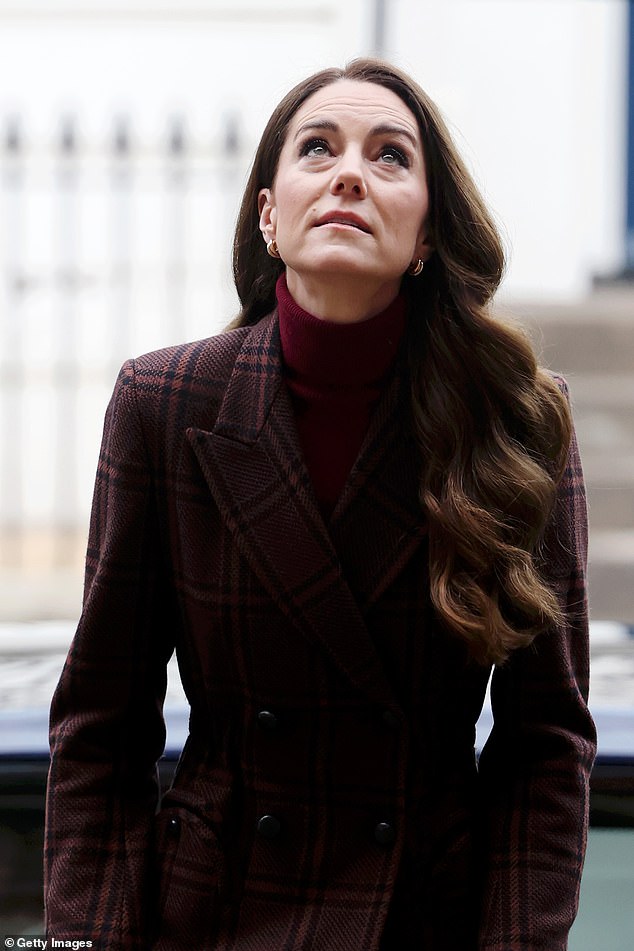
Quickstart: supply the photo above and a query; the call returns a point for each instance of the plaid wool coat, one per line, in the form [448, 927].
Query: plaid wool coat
[328, 797]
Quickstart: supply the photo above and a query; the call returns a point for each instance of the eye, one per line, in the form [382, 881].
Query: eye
[314, 148]
[390, 155]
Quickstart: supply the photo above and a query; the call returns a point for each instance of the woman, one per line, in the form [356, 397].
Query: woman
[341, 513]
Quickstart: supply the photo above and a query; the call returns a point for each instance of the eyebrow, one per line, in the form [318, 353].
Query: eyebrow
[384, 128]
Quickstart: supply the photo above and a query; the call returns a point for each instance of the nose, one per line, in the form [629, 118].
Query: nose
[349, 178]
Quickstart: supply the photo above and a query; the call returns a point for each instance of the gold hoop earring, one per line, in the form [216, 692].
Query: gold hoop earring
[416, 269]
[271, 247]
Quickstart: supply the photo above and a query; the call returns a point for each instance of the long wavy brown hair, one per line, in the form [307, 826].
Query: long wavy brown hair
[493, 427]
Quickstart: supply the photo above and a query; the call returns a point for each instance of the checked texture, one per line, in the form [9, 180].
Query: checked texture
[328, 797]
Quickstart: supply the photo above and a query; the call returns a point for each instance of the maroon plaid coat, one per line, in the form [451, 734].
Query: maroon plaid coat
[328, 797]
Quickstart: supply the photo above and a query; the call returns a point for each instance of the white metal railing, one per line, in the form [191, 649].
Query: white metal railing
[106, 250]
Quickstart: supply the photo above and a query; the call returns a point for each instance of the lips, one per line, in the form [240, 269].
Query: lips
[344, 218]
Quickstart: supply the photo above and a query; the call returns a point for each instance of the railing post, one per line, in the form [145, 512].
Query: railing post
[379, 44]
[65, 369]
[175, 247]
[12, 357]
[120, 234]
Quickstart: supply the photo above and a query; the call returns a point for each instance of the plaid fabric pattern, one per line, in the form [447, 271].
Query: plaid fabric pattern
[328, 796]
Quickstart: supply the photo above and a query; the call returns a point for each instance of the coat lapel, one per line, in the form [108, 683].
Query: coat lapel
[254, 467]
[378, 523]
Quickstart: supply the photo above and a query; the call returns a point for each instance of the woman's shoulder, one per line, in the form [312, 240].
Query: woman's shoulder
[554, 376]
[178, 386]
[560, 380]
[215, 354]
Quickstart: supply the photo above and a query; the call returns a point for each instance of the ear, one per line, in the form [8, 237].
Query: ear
[424, 247]
[268, 214]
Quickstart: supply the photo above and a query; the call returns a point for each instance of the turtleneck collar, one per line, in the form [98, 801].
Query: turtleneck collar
[335, 354]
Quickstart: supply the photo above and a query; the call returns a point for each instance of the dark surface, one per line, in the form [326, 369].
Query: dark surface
[22, 795]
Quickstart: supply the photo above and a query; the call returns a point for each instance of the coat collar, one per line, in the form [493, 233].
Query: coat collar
[324, 577]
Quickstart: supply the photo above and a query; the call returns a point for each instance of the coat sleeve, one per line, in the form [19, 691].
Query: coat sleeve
[535, 767]
[106, 728]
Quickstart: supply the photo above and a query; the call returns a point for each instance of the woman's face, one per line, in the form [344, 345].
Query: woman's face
[349, 201]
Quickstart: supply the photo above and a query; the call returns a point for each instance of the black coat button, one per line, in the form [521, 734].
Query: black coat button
[267, 720]
[268, 827]
[390, 719]
[384, 833]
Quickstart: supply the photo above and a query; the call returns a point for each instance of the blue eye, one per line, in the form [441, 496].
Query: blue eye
[394, 156]
[315, 148]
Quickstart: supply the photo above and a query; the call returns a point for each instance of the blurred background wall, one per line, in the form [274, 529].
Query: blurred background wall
[126, 132]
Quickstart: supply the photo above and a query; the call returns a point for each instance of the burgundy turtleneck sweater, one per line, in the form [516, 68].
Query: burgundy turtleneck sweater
[335, 373]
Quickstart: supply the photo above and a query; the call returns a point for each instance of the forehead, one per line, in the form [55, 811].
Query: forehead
[362, 101]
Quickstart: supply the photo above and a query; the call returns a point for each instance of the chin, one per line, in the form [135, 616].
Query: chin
[341, 263]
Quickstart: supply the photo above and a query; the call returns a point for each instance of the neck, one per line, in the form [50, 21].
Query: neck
[340, 298]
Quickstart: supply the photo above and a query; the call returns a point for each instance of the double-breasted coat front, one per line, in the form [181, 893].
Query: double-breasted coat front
[328, 796]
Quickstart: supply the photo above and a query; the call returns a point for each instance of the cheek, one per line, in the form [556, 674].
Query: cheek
[290, 202]
[413, 214]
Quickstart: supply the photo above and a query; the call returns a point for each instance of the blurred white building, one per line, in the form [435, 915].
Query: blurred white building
[127, 128]
[534, 90]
